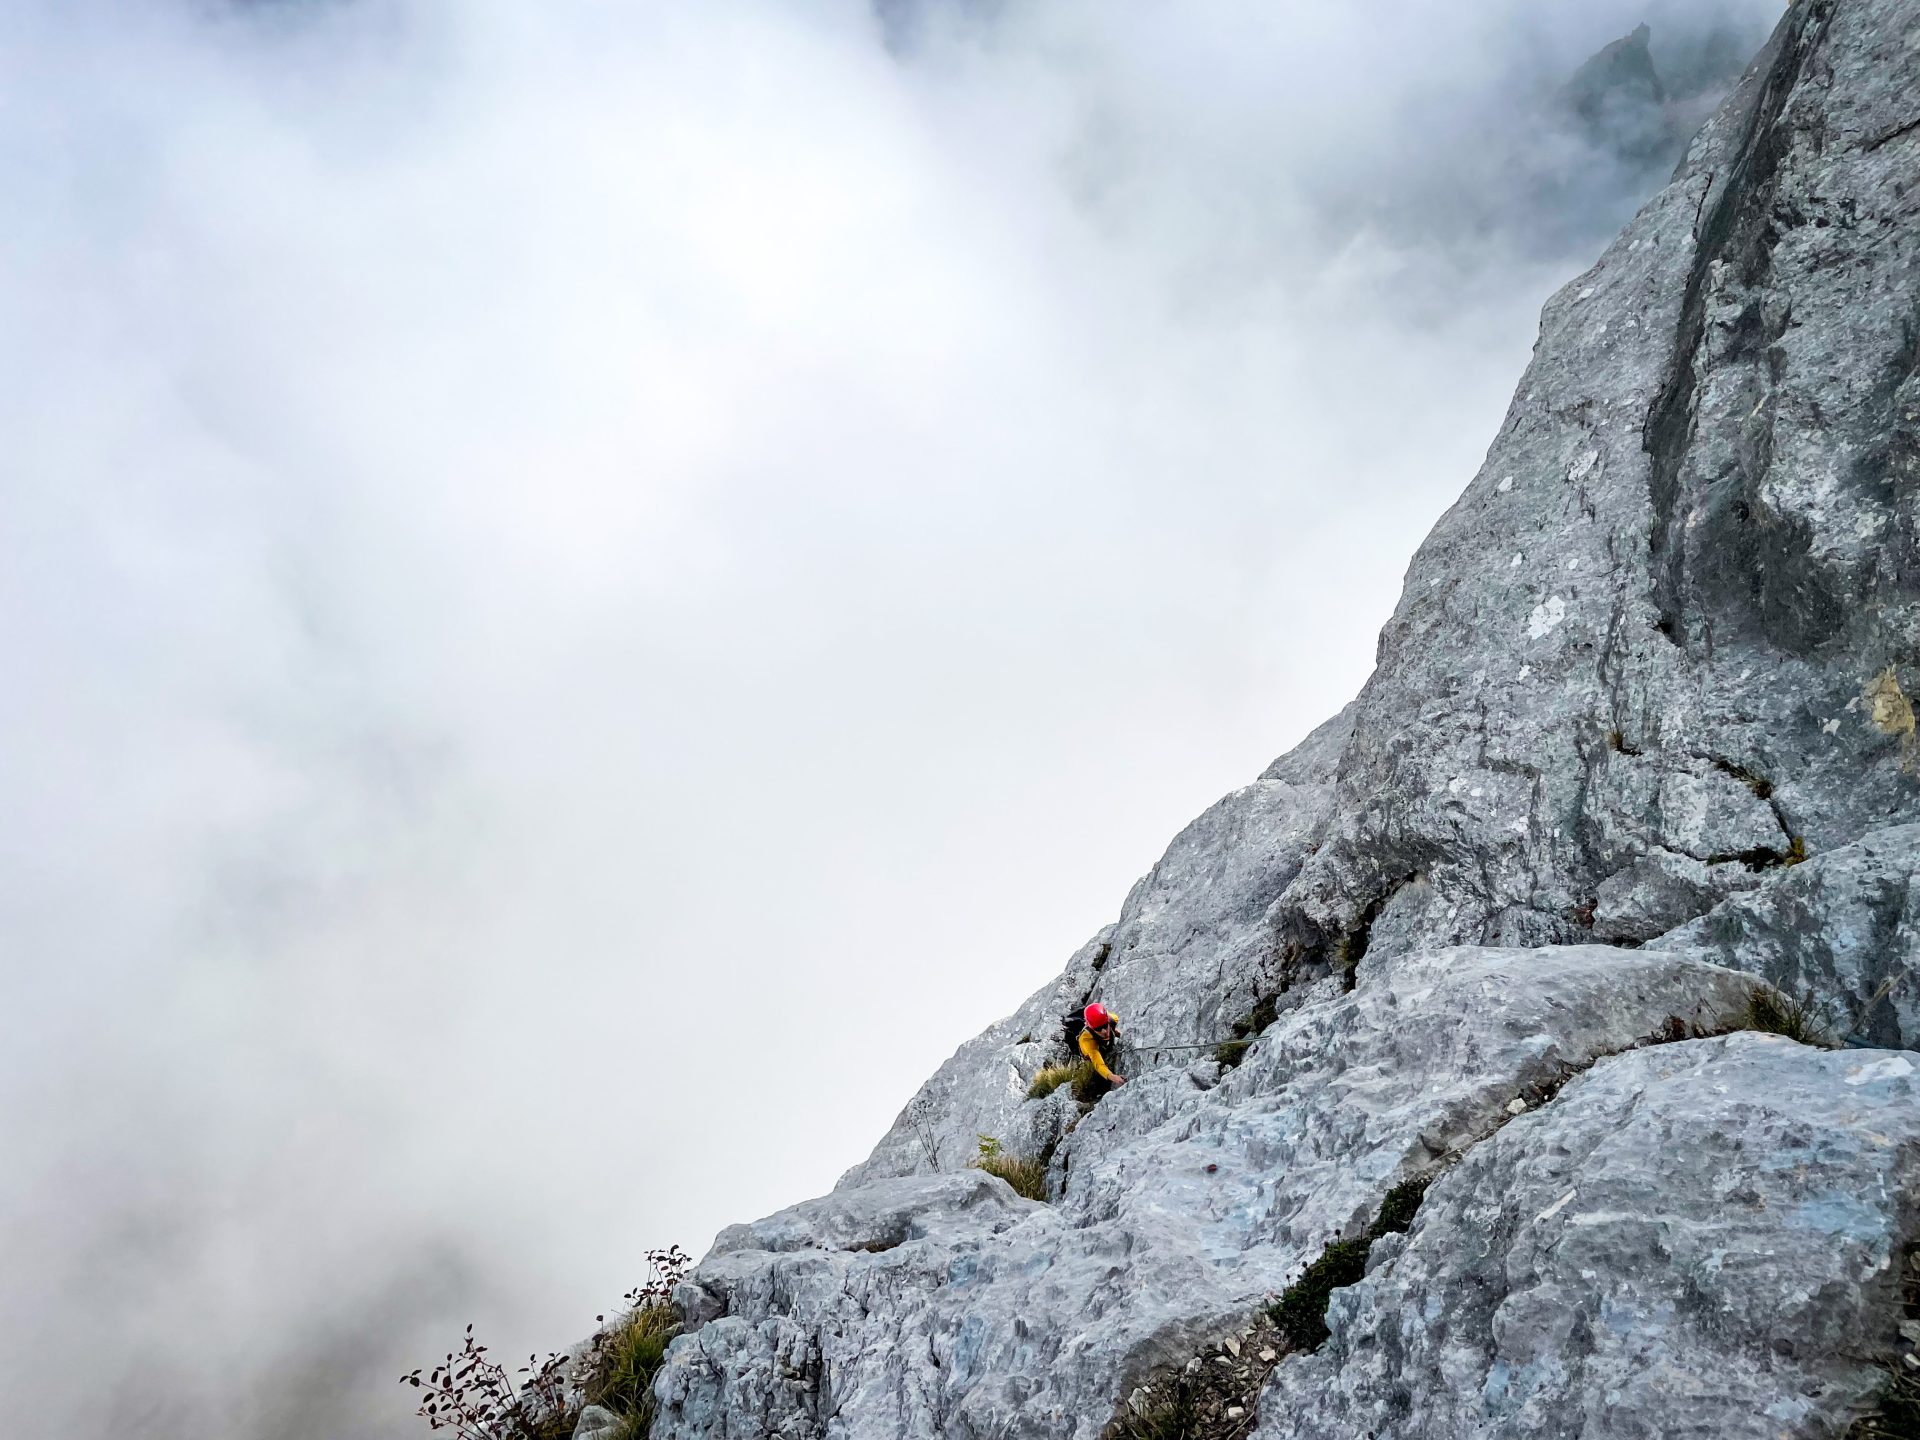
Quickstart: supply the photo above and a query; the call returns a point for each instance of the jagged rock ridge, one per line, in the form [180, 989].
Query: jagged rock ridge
[1638, 735]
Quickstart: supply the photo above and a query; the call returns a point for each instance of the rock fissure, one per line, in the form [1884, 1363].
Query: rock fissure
[1730, 214]
[1899, 132]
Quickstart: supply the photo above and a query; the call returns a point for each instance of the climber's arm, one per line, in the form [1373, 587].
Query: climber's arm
[1090, 1048]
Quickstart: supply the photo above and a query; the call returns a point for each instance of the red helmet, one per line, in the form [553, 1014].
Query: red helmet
[1097, 1016]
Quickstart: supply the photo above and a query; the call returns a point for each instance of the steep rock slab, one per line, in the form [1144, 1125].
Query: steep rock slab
[1645, 628]
[1844, 928]
[943, 1305]
[1193, 949]
[1701, 1240]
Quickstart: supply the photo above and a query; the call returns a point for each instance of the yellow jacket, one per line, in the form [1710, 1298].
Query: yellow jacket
[1090, 1048]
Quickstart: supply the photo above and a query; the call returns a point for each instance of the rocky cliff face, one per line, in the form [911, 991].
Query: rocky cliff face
[1638, 738]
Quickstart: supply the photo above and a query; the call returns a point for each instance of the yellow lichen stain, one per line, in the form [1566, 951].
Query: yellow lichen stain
[1891, 713]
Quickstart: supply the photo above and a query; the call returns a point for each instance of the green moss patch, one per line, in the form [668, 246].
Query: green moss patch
[1301, 1312]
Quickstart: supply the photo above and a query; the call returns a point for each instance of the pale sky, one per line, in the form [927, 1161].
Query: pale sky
[588, 588]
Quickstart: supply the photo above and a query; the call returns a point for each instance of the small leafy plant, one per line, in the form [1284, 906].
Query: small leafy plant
[478, 1398]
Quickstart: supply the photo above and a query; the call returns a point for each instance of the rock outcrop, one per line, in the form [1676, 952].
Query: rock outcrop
[943, 1304]
[1636, 750]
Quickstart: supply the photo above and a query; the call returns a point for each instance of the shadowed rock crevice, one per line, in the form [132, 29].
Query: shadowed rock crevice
[1733, 227]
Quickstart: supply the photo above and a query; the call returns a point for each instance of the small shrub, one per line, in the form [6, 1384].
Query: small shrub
[1208, 1400]
[1027, 1174]
[478, 1399]
[1231, 1052]
[1050, 1078]
[1776, 1013]
[1265, 1011]
[919, 1117]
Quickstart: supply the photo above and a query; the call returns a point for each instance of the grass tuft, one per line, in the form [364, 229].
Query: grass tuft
[1172, 1416]
[1027, 1174]
[1050, 1078]
[629, 1361]
[1777, 1013]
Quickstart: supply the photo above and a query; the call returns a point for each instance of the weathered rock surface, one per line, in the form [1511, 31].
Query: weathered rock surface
[1646, 686]
[944, 1304]
[596, 1423]
[1691, 1241]
[1844, 927]
[1647, 624]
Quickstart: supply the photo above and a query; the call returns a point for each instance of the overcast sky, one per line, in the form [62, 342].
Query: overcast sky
[588, 588]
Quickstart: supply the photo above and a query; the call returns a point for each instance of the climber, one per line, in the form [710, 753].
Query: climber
[1101, 1027]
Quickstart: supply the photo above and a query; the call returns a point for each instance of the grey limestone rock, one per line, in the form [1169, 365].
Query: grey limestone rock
[1619, 98]
[1652, 895]
[945, 1305]
[1692, 544]
[1844, 928]
[1645, 686]
[1704, 1239]
[596, 1423]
